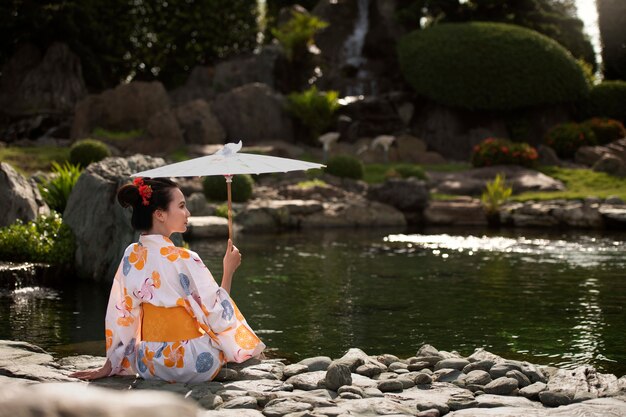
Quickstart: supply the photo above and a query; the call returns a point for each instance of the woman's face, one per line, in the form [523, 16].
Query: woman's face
[175, 218]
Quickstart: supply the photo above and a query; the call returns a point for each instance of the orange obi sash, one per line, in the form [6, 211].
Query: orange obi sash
[167, 324]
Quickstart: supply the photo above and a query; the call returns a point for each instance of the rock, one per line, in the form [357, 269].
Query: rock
[453, 363]
[460, 211]
[547, 156]
[294, 369]
[397, 366]
[598, 407]
[240, 402]
[501, 369]
[32, 84]
[432, 412]
[567, 386]
[610, 164]
[408, 194]
[198, 124]
[317, 363]
[477, 377]
[372, 393]
[613, 217]
[448, 375]
[350, 396]
[198, 205]
[418, 366]
[522, 380]
[240, 412]
[15, 353]
[126, 107]
[501, 386]
[354, 358]
[614, 200]
[226, 374]
[202, 227]
[589, 155]
[388, 359]
[368, 370]
[199, 86]
[421, 379]
[337, 375]
[390, 385]
[280, 407]
[462, 401]
[481, 354]
[92, 210]
[556, 398]
[483, 365]
[307, 381]
[266, 371]
[19, 198]
[493, 401]
[242, 70]
[351, 389]
[407, 382]
[255, 112]
[354, 213]
[532, 391]
[376, 406]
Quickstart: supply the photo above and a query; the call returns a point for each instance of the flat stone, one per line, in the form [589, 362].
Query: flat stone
[432, 412]
[406, 382]
[556, 398]
[418, 366]
[447, 375]
[422, 379]
[349, 388]
[394, 366]
[478, 377]
[452, 363]
[601, 407]
[483, 365]
[500, 370]
[388, 359]
[350, 396]
[390, 385]
[241, 402]
[375, 406]
[532, 391]
[368, 370]
[294, 369]
[280, 407]
[318, 363]
[307, 381]
[522, 380]
[203, 227]
[501, 386]
[492, 401]
[372, 393]
[239, 412]
[14, 353]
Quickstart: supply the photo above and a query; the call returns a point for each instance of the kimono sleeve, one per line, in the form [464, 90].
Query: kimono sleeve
[122, 325]
[218, 315]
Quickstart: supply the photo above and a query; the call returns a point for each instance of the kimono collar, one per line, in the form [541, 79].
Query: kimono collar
[155, 240]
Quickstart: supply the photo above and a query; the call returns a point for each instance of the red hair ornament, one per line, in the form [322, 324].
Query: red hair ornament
[145, 191]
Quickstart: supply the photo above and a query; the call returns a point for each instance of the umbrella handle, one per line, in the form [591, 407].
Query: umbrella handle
[229, 180]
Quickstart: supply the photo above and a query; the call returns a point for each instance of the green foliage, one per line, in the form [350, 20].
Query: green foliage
[46, 239]
[115, 135]
[144, 40]
[305, 185]
[297, 34]
[608, 99]
[315, 109]
[606, 130]
[215, 188]
[555, 19]
[489, 66]
[86, 151]
[33, 158]
[222, 211]
[503, 152]
[496, 193]
[57, 191]
[566, 138]
[611, 18]
[406, 171]
[345, 166]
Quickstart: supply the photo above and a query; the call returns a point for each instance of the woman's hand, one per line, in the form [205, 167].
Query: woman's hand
[93, 373]
[232, 260]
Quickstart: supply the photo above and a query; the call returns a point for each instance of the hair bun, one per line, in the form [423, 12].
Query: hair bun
[128, 195]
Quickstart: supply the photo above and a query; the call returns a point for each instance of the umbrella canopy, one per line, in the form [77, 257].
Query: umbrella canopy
[228, 162]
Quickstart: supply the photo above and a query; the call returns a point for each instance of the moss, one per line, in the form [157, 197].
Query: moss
[31, 159]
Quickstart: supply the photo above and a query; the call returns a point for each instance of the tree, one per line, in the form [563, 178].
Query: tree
[612, 22]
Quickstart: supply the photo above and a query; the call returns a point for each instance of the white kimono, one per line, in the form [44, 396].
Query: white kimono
[155, 271]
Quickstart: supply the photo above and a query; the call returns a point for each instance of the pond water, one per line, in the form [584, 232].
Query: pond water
[544, 297]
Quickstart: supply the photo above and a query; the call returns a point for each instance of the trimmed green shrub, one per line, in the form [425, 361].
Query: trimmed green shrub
[215, 188]
[608, 99]
[56, 191]
[406, 171]
[297, 34]
[493, 151]
[566, 138]
[345, 166]
[606, 130]
[46, 239]
[315, 109]
[490, 66]
[84, 152]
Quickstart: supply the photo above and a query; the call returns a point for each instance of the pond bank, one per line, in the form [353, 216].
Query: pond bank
[431, 383]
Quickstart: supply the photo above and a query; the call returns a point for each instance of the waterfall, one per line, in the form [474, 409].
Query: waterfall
[353, 47]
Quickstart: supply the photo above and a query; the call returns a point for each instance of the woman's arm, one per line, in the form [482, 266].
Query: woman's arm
[232, 260]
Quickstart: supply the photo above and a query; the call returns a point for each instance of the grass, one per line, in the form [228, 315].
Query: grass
[579, 183]
[27, 160]
[305, 185]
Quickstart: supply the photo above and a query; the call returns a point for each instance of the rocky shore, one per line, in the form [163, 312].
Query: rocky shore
[432, 383]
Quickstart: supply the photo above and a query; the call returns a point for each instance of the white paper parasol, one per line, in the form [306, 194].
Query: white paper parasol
[228, 162]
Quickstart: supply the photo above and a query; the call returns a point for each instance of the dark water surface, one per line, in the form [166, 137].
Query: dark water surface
[547, 298]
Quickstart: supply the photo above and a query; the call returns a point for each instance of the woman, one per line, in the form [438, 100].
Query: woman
[167, 318]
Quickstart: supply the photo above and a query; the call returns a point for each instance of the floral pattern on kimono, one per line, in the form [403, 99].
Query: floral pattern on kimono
[155, 271]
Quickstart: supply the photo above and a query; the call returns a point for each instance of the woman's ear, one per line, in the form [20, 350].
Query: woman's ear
[159, 215]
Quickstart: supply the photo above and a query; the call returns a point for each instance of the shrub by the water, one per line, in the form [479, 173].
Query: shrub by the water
[46, 239]
[56, 191]
[496, 193]
[297, 33]
[86, 151]
[606, 130]
[608, 99]
[566, 138]
[406, 171]
[493, 151]
[345, 166]
[315, 109]
[490, 66]
[241, 188]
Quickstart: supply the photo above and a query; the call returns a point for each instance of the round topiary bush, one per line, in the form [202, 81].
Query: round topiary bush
[493, 151]
[566, 138]
[345, 166]
[84, 152]
[606, 130]
[215, 188]
[490, 66]
[608, 99]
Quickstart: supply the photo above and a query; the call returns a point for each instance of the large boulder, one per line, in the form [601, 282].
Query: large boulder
[126, 107]
[199, 85]
[407, 195]
[32, 84]
[459, 212]
[19, 197]
[101, 226]
[253, 112]
[254, 68]
[198, 123]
